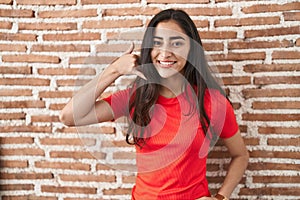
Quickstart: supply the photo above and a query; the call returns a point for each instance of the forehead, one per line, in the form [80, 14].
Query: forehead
[169, 29]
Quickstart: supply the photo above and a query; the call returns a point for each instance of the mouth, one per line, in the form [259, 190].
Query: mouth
[166, 64]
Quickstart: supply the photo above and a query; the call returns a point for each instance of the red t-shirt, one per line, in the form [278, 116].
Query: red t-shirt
[172, 163]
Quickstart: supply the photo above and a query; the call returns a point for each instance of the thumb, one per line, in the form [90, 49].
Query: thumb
[129, 51]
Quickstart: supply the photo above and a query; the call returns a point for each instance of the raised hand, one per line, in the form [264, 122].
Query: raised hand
[127, 63]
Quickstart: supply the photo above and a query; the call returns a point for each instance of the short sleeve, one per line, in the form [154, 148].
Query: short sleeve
[119, 102]
[221, 114]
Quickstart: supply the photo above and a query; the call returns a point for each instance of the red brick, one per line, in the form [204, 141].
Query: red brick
[240, 80]
[77, 82]
[122, 167]
[72, 37]
[31, 58]
[55, 94]
[68, 189]
[239, 56]
[218, 34]
[298, 42]
[121, 143]
[5, 25]
[83, 2]
[48, 26]
[283, 142]
[77, 155]
[6, 2]
[67, 71]
[16, 13]
[82, 198]
[104, 24]
[67, 141]
[201, 23]
[251, 141]
[271, 67]
[270, 117]
[291, 16]
[61, 48]
[92, 60]
[247, 21]
[271, 166]
[43, 2]
[15, 92]
[125, 35]
[18, 37]
[272, 32]
[12, 187]
[23, 104]
[124, 155]
[276, 179]
[26, 129]
[265, 8]
[95, 130]
[103, 167]
[22, 152]
[12, 116]
[28, 197]
[286, 55]
[117, 191]
[15, 70]
[273, 154]
[16, 140]
[13, 164]
[114, 47]
[68, 14]
[289, 191]
[213, 46]
[13, 47]
[252, 93]
[221, 11]
[62, 165]
[21, 176]
[259, 44]
[25, 81]
[277, 80]
[56, 106]
[261, 105]
[178, 1]
[44, 118]
[279, 130]
[128, 179]
[88, 178]
[133, 11]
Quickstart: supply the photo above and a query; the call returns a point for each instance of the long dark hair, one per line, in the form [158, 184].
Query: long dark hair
[196, 72]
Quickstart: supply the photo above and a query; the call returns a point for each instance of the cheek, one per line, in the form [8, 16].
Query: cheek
[153, 54]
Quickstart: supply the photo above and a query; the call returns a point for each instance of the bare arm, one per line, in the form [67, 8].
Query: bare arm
[238, 164]
[239, 161]
[83, 108]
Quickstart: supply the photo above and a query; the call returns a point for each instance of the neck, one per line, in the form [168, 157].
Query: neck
[172, 86]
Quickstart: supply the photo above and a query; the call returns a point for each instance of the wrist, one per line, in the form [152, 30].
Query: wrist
[220, 197]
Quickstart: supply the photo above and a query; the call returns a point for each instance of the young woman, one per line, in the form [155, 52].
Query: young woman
[175, 109]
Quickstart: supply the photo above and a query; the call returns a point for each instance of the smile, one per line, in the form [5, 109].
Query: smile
[166, 63]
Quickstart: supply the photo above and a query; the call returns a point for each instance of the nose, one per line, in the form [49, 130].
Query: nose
[165, 53]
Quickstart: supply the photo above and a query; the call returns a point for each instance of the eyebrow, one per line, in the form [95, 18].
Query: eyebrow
[171, 38]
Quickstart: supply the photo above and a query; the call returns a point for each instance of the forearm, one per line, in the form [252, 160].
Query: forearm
[84, 100]
[234, 174]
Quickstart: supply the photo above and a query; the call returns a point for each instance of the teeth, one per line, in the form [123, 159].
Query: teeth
[166, 63]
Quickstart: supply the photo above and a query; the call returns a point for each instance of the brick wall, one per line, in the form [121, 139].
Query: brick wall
[50, 48]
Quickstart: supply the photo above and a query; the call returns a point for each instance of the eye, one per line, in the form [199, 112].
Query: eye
[157, 43]
[177, 44]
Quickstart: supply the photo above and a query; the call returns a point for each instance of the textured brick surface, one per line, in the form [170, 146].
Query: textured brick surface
[49, 48]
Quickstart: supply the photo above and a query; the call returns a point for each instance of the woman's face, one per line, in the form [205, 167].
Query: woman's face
[170, 48]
